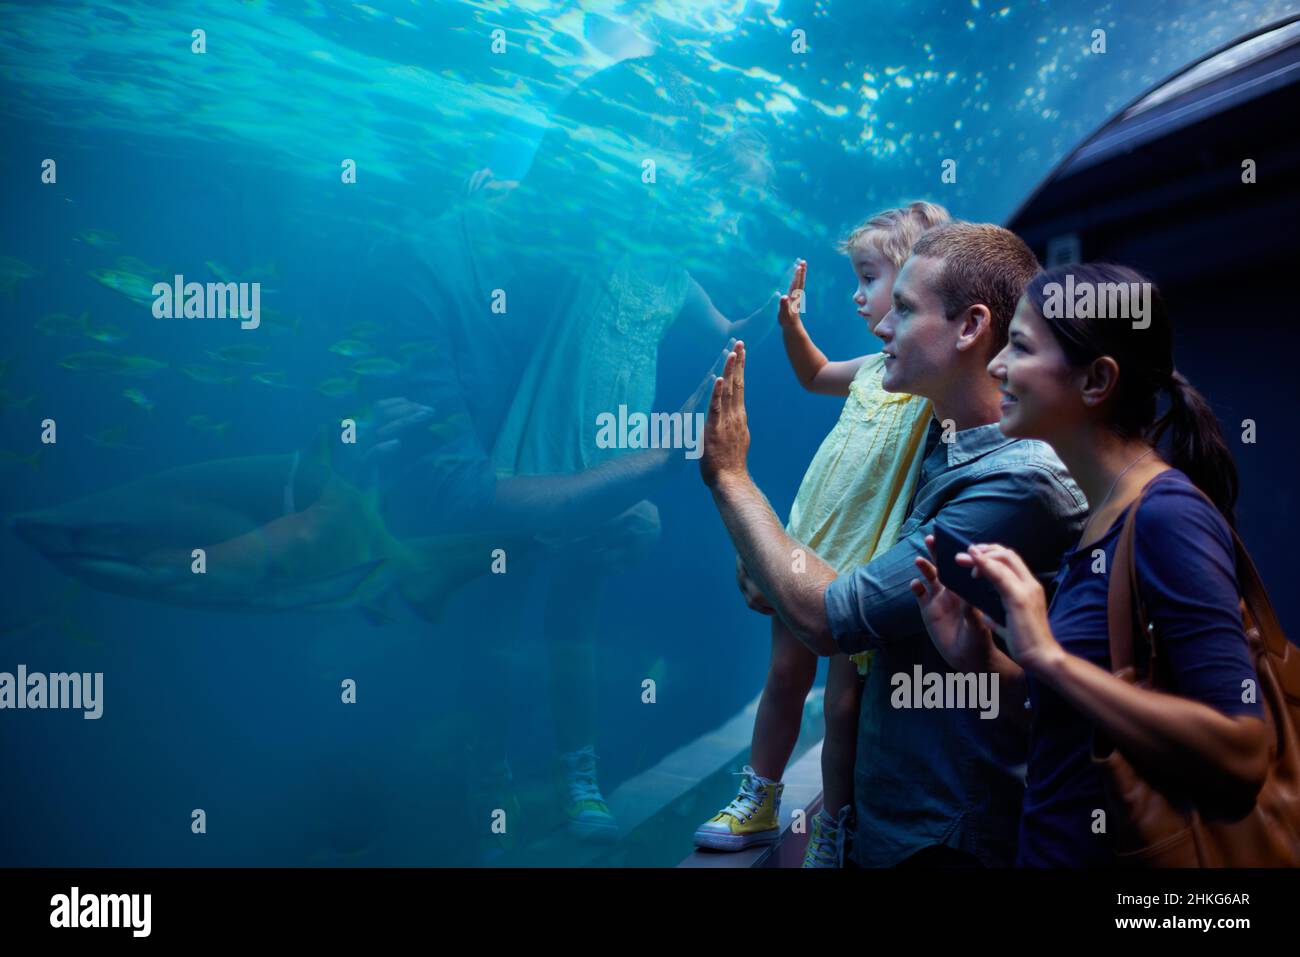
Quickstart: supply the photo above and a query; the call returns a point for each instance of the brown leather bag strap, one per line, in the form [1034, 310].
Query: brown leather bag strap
[1258, 604]
[1125, 618]
[1254, 595]
[1123, 605]
[1124, 614]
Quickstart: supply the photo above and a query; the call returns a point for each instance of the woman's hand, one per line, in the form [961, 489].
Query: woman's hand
[959, 632]
[754, 598]
[792, 302]
[1027, 633]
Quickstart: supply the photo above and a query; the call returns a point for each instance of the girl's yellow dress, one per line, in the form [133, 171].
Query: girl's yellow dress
[854, 496]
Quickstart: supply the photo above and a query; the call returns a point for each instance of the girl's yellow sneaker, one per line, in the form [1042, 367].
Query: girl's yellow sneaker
[752, 818]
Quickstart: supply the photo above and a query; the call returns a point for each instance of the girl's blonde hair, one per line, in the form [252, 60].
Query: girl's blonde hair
[893, 232]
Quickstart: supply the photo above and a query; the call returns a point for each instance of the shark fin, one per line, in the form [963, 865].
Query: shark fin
[320, 449]
[344, 459]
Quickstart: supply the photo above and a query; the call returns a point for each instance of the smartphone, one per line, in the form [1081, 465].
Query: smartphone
[976, 592]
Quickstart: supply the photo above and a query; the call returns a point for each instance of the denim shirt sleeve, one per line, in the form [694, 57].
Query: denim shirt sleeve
[1024, 506]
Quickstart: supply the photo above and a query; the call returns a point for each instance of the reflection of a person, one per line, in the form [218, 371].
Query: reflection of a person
[433, 446]
[623, 289]
[512, 398]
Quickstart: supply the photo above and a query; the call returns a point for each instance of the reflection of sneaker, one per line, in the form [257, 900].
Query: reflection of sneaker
[826, 842]
[752, 818]
[488, 792]
[589, 817]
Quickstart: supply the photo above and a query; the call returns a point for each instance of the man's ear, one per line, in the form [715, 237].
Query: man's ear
[975, 327]
[1100, 379]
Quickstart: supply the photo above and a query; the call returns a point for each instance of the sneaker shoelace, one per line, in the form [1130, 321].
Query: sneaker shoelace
[826, 843]
[828, 850]
[748, 801]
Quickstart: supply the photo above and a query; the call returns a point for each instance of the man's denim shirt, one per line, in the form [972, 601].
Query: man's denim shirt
[927, 776]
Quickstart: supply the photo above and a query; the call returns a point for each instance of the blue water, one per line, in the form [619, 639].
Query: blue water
[169, 161]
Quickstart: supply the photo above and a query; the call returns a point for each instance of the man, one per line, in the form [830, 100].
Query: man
[932, 785]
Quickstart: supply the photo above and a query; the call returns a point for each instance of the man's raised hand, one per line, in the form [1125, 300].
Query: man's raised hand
[726, 432]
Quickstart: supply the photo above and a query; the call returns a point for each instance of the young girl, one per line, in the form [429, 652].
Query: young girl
[850, 506]
[1089, 387]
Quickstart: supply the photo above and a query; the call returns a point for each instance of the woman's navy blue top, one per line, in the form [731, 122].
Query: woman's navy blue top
[1187, 580]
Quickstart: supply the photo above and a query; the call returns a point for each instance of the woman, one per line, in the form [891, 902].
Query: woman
[1089, 387]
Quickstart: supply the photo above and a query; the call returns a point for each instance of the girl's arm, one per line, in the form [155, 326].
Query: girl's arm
[814, 371]
[1219, 760]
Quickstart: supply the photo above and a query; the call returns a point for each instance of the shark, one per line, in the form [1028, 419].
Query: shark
[280, 533]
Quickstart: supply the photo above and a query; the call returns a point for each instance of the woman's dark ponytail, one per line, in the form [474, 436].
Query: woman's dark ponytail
[1187, 433]
[1194, 444]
